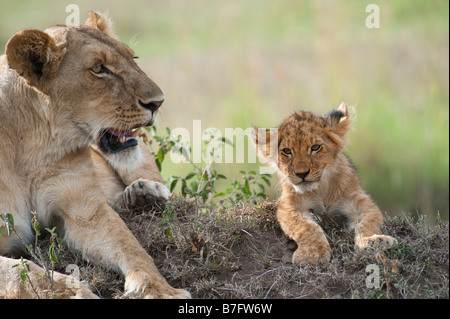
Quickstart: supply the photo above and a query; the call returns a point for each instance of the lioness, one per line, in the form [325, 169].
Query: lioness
[61, 91]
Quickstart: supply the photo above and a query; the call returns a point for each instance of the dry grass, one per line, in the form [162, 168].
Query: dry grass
[241, 252]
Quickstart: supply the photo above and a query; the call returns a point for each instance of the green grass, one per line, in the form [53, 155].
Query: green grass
[244, 63]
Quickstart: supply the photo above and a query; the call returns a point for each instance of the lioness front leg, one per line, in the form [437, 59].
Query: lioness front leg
[313, 247]
[104, 237]
[130, 178]
[95, 229]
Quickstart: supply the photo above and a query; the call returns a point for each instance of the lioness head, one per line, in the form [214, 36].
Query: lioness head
[304, 146]
[90, 80]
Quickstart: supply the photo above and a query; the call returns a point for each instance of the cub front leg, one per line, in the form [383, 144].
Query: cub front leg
[313, 247]
[366, 222]
[144, 192]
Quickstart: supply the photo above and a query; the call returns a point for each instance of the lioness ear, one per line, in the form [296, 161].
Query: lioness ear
[101, 22]
[266, 143]
[34, 55]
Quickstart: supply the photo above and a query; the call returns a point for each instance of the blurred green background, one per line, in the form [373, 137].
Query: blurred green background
[239, 63]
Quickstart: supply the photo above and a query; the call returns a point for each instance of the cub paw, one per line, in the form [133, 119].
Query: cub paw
[144, 192]
[383, 241]
[312, 253]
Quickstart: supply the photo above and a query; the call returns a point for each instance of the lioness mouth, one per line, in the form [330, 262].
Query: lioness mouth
[114, 141]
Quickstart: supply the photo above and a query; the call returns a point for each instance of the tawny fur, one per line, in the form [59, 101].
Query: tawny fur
[317, 178]
[54, 103]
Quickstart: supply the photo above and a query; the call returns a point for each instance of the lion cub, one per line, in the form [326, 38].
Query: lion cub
[317, 178]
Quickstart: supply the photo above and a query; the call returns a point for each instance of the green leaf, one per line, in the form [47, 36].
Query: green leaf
[9, 219]
[168, 233]
[51, 231]
[190, 175]
[189, 191]
[265, 179]
[261, 188]
[227, 141]
[194, 186]
[183, 187]
[160, 155]
[36, 227]
[219, 194]
[23, 275]
[60, 242]
[158, 164]
[53, 254]
[173, 184]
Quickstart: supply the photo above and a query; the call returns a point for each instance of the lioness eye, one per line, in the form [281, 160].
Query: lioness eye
[286, 151]
[315, 147]
[101, 69]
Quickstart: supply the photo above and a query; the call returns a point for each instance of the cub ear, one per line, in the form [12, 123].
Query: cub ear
[101, 22]
[266, 143]
[339, 120]
[34, 55]
[339, 123]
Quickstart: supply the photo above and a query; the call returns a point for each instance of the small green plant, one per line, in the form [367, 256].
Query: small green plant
[35, 252]
[200, 185]
[201, 182]
[168, 217]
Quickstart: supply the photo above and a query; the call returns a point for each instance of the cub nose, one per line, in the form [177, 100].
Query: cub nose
[302, 175]
[151, 105]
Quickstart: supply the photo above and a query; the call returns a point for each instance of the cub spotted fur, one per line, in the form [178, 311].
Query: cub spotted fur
[317, 178]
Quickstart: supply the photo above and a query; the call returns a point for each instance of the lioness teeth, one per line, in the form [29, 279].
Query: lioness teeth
[124, 139]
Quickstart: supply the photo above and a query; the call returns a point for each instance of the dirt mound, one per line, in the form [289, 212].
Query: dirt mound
[241, 252]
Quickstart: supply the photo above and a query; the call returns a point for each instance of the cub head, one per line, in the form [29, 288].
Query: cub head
[93, 87]
[304, 146]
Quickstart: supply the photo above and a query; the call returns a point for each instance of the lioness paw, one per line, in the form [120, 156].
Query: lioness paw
[383, 241]
[142, 285]
[84, 293]
[144, 192]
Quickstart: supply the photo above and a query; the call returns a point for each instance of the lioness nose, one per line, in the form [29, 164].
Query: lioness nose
[303, 175]
[152, 105]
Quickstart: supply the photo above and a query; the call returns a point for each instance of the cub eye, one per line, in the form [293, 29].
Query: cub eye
[315, 147]
[286, 151]
[100, 69]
